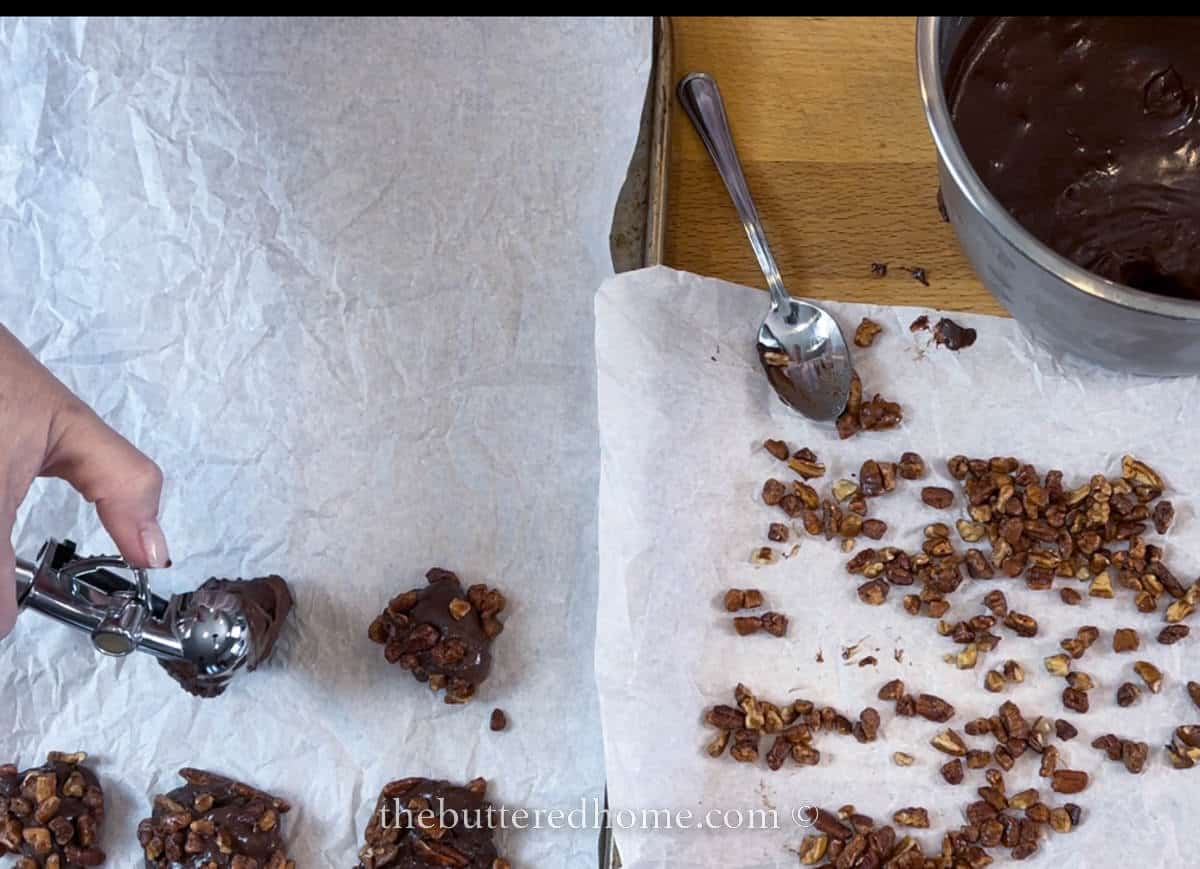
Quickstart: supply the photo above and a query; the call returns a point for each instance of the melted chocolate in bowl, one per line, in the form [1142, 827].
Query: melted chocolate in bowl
[1086, 131]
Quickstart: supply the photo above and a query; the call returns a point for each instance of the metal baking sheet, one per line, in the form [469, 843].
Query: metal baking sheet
[225, 234]
[640, 220]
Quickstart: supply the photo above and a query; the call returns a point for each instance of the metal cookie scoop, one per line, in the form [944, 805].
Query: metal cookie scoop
[213, 633]
[800, 345]
[111, 601]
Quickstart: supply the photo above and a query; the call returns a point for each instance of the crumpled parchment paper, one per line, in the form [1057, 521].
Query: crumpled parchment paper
[335, 277]
[684, 409]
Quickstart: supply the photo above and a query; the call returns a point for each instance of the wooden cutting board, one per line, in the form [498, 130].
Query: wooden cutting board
[832, 136]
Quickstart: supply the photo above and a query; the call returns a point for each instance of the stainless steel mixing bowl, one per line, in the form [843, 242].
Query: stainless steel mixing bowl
[1064, 306]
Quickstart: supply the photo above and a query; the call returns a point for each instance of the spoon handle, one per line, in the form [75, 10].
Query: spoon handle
[701, 99]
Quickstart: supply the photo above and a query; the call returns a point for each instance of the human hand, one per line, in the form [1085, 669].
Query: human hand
[48, 432]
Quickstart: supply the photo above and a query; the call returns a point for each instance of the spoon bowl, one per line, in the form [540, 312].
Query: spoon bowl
[806, 360]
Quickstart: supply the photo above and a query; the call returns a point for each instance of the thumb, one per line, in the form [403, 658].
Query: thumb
[111, 473]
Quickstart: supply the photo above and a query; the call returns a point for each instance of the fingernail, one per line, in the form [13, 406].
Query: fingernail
[154, 545]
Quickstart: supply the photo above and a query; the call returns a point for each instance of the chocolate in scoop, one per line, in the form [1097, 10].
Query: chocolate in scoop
[266, 601]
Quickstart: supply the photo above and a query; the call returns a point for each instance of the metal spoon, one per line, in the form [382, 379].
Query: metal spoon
[800, 345]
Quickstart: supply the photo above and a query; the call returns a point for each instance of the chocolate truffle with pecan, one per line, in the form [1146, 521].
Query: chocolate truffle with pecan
[52, 814]
[406, 829]
[442, 634]
[213, 821]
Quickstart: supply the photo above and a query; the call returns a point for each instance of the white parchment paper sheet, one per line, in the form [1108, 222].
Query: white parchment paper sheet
[684, 409]
[336, 277]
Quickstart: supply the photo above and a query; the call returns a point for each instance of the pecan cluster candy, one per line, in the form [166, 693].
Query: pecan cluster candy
[442, 634]
[52, 814]
[213, 821]
[418, 822]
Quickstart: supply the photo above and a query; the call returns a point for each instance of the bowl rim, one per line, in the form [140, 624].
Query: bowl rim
[954, 161]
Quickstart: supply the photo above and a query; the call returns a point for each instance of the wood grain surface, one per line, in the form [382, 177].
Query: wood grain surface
[832, 136]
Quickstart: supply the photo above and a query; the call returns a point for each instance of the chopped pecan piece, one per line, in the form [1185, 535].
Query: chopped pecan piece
[1149, 674]
[952, 771]
[1172, 634]
[1128, 694]
[864, 335]
[934, 708]
[912, 816]
[1069, 781]
[937, 497]
[779, 449]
